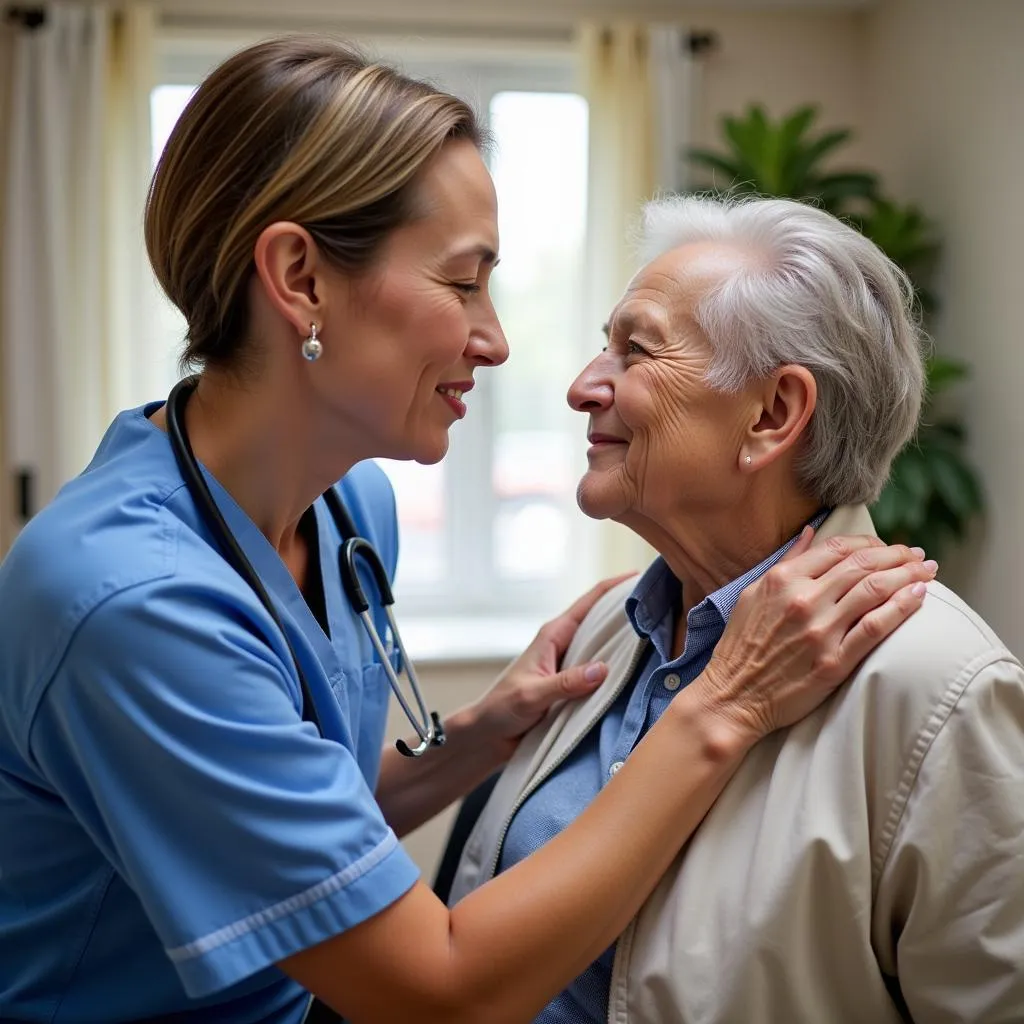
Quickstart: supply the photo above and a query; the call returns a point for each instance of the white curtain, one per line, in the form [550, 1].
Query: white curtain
[75, 279]
[636, 81]
[7, 506]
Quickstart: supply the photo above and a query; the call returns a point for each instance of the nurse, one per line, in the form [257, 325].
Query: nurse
[176, 837]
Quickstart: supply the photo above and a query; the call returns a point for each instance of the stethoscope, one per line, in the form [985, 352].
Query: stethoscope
[353, 548]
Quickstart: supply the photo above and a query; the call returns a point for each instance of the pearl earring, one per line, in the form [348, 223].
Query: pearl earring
[312, 347]
[747, 460]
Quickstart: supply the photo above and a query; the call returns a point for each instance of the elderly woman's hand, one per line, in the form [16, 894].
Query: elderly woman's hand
[802, 629]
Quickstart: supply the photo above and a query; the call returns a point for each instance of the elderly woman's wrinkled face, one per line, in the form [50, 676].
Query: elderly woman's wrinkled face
[663, 444]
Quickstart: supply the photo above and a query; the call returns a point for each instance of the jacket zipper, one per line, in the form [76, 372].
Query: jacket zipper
[543, 776]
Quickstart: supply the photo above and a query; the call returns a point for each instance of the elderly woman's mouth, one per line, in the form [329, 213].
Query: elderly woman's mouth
[602, 440]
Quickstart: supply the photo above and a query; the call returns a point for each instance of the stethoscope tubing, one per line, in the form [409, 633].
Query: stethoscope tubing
[427, 725]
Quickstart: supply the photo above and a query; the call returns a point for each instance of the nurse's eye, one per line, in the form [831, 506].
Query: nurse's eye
[466, 287]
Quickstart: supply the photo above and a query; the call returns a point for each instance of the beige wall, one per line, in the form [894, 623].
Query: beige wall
[781, 59]
[946, 118]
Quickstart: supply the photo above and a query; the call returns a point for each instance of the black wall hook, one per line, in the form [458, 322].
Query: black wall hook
[698, 43]
[25, 17]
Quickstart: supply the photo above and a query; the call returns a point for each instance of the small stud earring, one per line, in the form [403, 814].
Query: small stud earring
[312, 347]
[747, 460]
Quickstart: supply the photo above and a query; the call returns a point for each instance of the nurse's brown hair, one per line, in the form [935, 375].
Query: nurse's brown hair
[302, 129]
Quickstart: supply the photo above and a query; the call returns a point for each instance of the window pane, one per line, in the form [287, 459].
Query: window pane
[166, 103]
[540, 172]
[419, 496]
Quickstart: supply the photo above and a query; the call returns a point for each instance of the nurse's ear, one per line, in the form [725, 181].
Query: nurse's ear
[292, 272]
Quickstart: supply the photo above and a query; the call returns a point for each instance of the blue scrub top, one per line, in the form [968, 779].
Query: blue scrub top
[170, 827]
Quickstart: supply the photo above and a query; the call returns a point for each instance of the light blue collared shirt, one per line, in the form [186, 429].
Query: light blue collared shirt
[652, 609]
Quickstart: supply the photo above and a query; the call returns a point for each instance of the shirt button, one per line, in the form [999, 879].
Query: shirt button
[672, 682]
[615, 767]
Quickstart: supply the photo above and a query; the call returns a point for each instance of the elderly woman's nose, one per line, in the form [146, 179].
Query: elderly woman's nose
[591, 389]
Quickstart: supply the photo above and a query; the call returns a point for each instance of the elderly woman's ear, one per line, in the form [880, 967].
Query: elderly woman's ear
[785, 402]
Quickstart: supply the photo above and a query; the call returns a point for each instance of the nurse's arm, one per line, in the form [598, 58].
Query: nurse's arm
[483, 736]
[508, 948]
[411, 791]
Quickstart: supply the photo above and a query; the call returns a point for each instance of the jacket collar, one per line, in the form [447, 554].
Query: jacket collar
[607, 635]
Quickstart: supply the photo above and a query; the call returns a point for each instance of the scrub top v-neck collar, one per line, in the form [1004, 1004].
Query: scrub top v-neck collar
[280, 583]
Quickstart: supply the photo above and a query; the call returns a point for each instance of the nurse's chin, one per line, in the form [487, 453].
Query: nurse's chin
[429, 453]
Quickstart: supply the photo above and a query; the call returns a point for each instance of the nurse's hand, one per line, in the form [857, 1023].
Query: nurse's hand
[804, 627]
[525, 691]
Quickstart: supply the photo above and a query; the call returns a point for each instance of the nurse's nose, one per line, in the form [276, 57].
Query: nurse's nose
[487, 343]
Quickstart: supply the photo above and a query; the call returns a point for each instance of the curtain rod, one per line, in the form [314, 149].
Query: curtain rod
[430, 30]
[696, 43]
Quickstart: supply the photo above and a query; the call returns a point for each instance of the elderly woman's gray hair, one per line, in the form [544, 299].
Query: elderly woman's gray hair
[819, 294]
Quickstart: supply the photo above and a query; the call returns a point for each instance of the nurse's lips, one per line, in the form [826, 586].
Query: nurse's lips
[452, 391]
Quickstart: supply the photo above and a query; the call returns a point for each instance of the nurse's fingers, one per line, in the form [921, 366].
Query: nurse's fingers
[871, 629]
[812, 562]
[876, 588]
[863, 571]
[569, 684]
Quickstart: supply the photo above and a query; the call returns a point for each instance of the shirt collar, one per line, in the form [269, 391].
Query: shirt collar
[658, 592]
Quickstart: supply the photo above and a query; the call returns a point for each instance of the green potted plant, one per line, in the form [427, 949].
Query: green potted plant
[933, 492]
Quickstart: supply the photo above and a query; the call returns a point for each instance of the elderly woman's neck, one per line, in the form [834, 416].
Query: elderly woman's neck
[709, 550]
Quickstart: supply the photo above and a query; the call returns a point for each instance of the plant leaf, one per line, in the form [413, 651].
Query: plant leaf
[948, 432]
[833, 188]
[802, 162]
[886, 511]
[955, 482]
[912, 475]
[941, 372]
[716, 162]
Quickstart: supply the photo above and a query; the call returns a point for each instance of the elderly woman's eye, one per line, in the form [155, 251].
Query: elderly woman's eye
[633, 349]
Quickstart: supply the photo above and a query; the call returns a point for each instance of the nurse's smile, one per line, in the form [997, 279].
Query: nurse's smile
[452, 393]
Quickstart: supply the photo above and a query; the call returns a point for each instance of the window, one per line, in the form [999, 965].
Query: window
[492, 533]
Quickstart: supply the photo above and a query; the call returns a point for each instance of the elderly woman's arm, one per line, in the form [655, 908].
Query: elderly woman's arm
[511, 945]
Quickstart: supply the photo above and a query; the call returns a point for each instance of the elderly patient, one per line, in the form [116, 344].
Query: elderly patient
[867, 865]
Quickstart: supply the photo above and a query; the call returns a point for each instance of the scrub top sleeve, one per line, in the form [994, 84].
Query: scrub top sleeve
[172, 732]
